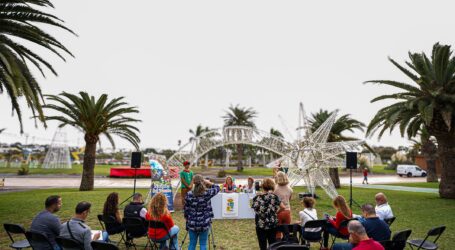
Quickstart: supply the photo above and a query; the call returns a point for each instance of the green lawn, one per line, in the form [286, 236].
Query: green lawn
[380, 169]
[417, 211]
[100, 170]
[253, 171]
[418, 184]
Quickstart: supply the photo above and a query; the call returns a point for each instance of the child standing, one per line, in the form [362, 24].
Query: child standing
[365, 175]
[186, 178]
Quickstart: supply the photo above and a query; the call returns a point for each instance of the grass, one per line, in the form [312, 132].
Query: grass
[417, 184]
[100, 170]
[417, 211]
[253, 171]
[380, 169]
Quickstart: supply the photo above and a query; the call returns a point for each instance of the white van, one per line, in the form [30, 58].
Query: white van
[410, 171]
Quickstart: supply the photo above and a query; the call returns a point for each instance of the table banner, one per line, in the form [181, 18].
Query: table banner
[230, 203]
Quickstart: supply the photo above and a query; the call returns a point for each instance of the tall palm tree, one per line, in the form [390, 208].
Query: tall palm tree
[428, 102]
[427, 146]
[18, 22]
[276, 132]
[95, 117]
[195, 134]
[342, 124]
[239, 116]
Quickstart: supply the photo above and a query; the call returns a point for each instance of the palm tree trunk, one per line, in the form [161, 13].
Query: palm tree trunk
[335, 177]
[206, 162]
[88, 172]
[429, 151]
[446, 152]
[239, 157]
[431, 170]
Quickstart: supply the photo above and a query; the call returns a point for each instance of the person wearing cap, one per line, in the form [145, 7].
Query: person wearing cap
[186, 178]
[76, 228]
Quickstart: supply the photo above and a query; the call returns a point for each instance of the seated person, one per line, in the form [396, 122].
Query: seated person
[229, 186]
[136, 207]
[359, 239]
[383, 209]
[375, 228]
[111, 215]
[157, 211]
[334, 224]
[76, 228]
[250, 187]
[46, 222]
[309, 213]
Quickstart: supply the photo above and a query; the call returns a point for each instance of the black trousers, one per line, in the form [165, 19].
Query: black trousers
[264, 236]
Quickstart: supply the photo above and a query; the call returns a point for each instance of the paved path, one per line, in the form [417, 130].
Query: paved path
[399, 188]
[15, 182]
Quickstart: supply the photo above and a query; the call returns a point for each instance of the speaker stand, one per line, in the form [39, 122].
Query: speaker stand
[134, 187]
[351, 200]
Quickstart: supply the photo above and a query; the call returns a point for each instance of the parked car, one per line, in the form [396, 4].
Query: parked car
[410, 171]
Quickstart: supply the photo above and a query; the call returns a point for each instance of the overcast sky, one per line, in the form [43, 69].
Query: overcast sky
[184, 62]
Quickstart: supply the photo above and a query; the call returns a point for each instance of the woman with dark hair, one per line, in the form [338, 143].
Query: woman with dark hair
[266, 205]
[111, 215]
[334, 224]
[198, 211]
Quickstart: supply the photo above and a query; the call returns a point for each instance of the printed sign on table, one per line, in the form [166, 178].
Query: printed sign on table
[230, 203]
[166, 189]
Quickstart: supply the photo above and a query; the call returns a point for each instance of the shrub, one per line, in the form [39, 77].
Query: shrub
[23, 170]
[221, 174]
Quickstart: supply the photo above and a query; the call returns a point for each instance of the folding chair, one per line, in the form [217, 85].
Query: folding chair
[294, 246]
[16, 229]
[389, 221]
[343, 225]
[68, 243]
[111, 222]
[155, 225]
[37, 240]
[291, 232]
[316, 234]
[398, 241]
[100, 220]
[425, 244]
[134, 228]
[100, 245]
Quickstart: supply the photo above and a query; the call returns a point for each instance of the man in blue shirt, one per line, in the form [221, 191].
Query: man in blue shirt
[46, 222]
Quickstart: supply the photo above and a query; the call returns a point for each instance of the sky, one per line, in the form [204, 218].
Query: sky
[183, 63]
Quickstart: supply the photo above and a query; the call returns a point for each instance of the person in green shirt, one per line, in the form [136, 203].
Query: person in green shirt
[186, 178]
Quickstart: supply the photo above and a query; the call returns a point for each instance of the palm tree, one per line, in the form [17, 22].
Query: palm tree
[276, 132]
[429, 150]
[18, 21]
[195, 134]
[427, 103]
[343, 124]
[239, 116]
[95, 117]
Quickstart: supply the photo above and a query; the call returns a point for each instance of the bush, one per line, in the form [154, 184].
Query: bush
[23, 170]
[221, 174]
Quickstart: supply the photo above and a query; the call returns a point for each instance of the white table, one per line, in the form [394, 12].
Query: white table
[244, 208]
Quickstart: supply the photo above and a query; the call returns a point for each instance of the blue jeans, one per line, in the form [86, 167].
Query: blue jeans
[203, 236]
[174, 241]
[343, 246]
[57, 247]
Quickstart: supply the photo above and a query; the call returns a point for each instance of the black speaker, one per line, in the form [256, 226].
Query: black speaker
[136, 159]
[351, 160]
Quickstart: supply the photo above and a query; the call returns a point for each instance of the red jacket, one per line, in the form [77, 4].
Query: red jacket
[160, 233]
[338, 220]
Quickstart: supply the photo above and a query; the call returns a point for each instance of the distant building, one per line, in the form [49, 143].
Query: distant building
[420, 161]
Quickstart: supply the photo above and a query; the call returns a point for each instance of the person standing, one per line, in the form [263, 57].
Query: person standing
[198, 211]
[186, 178]
[266, 205]
[76, 228]
[46, 222]
[284, 192]
[365, 175]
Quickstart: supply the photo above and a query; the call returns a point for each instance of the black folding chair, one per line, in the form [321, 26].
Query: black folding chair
[315, 235]
[343, 225]
[426, 244]
[68, 243]
[294, 246]
[100, 220]
[100, 245]
[155, 225]
[134, 228]
[389, 221]
[398, 241]
[109, 223]
[37, 240]
[12, 229]
[291, 232]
